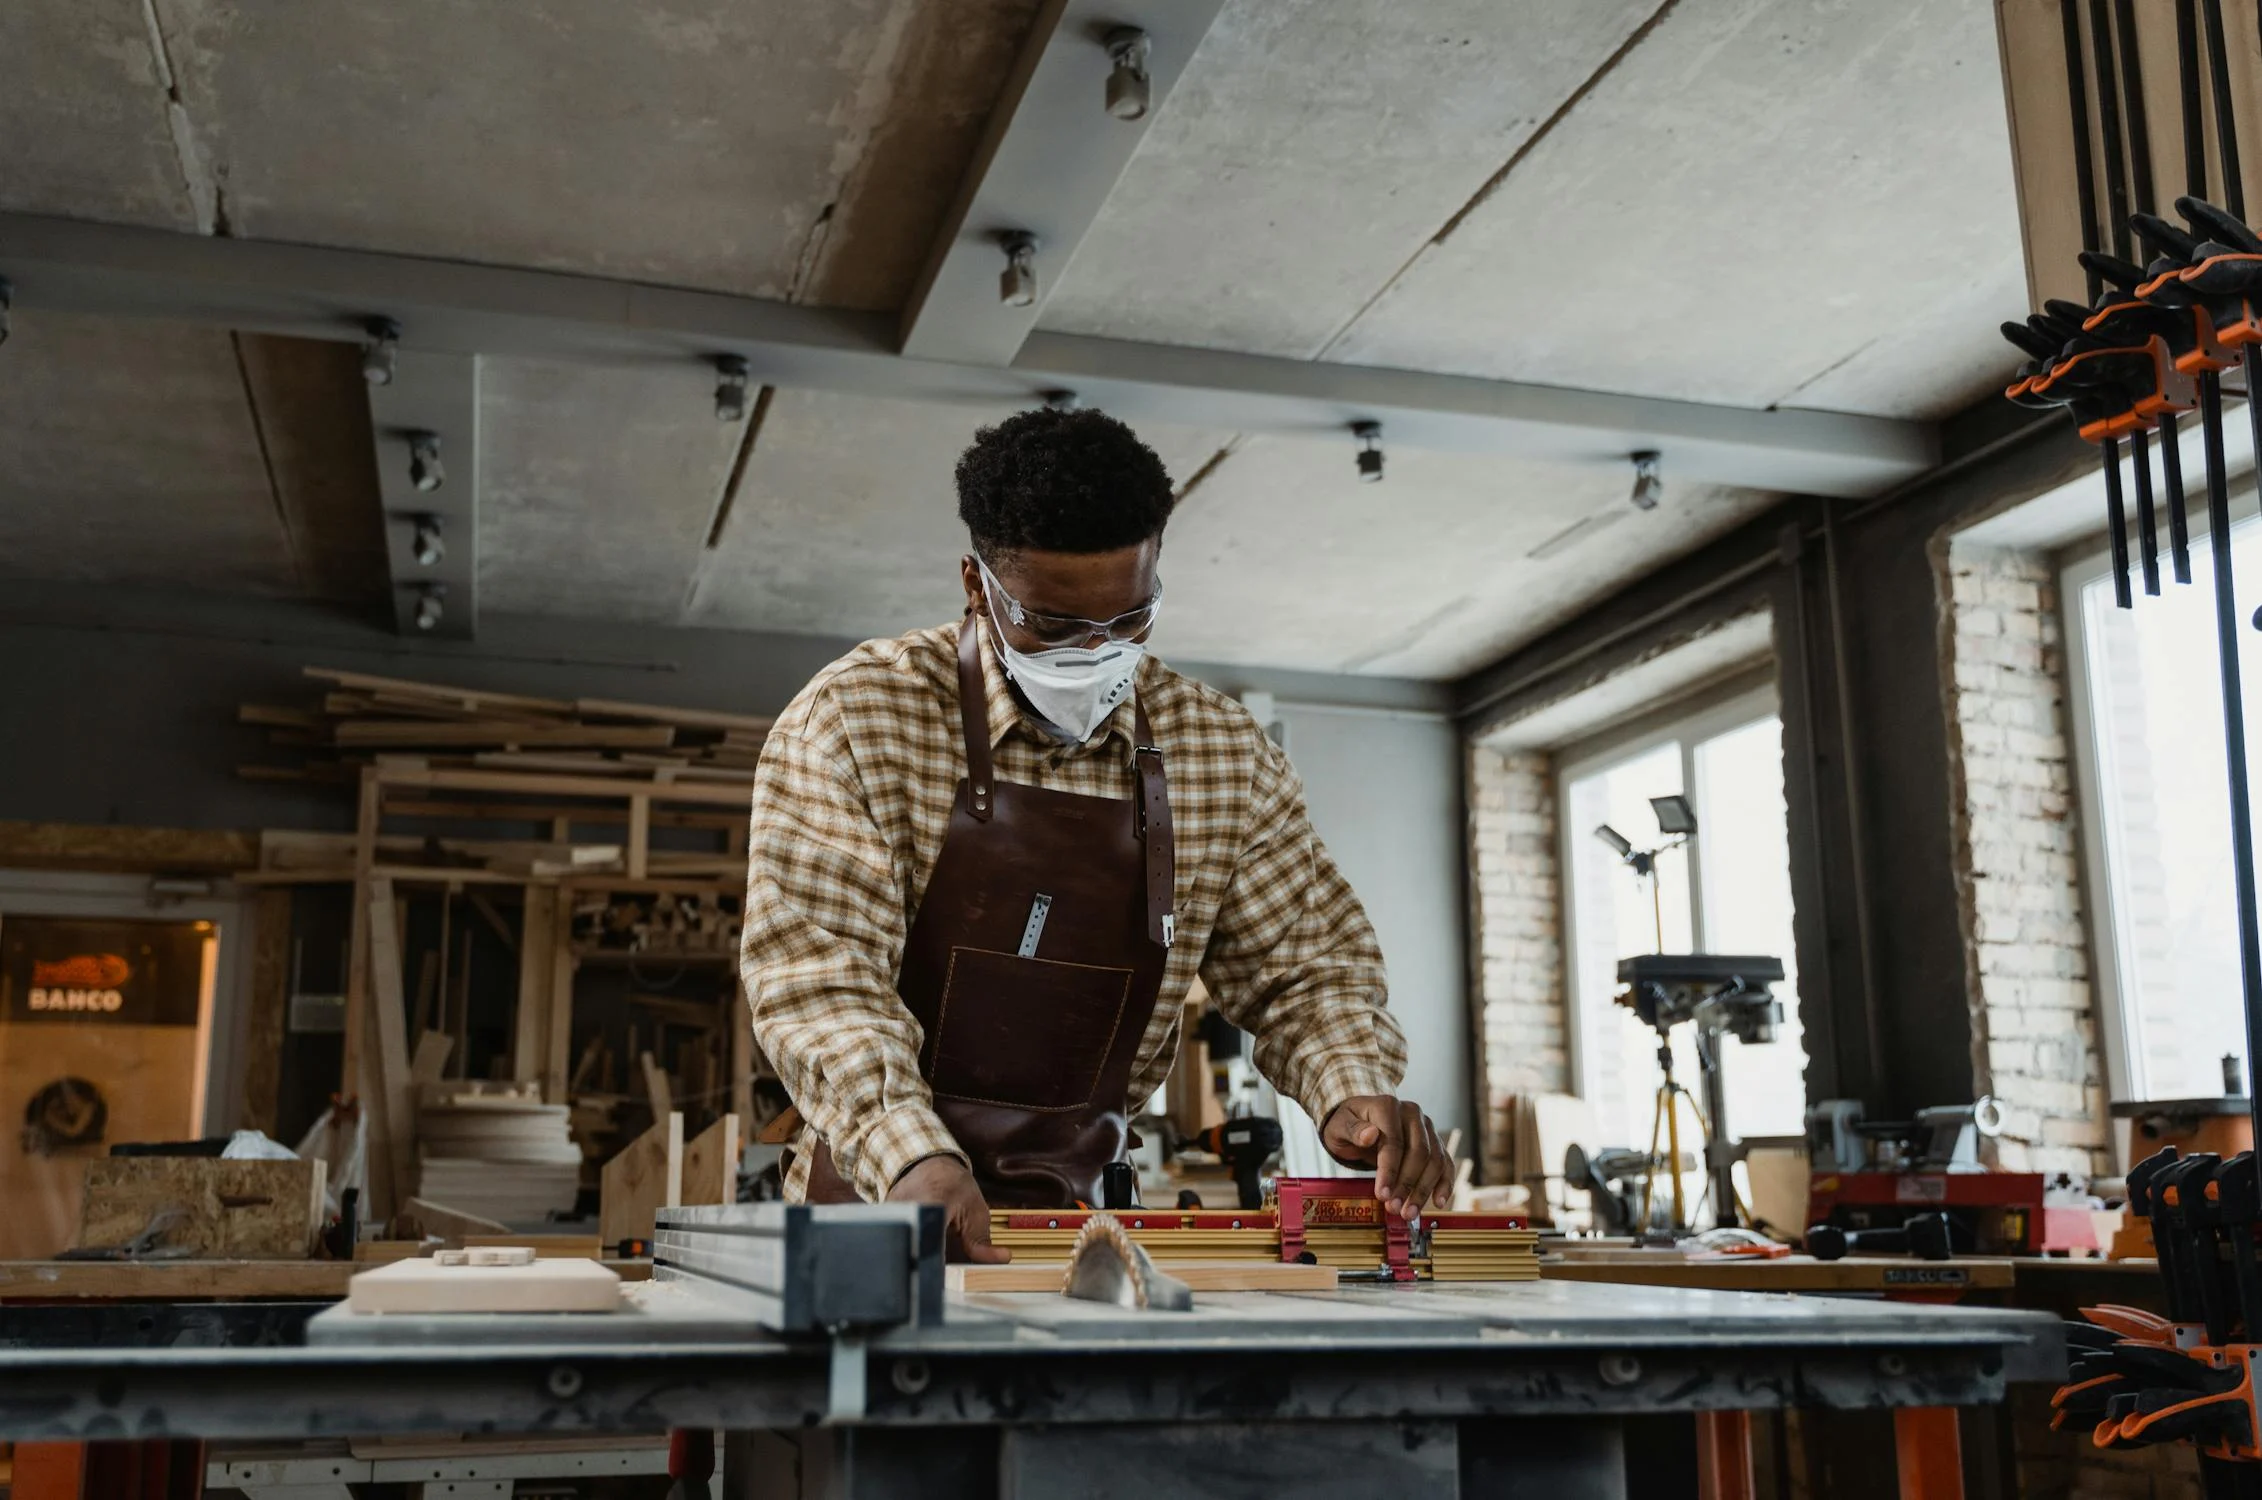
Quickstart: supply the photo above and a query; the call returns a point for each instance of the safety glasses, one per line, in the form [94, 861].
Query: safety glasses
[1056, 631]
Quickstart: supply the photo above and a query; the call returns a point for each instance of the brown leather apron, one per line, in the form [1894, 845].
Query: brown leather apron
[1029, 1044]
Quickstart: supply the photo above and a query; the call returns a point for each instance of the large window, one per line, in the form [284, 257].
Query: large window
[1728, 890]
[2149, 732]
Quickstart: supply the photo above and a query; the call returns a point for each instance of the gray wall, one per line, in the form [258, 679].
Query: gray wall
[1385, 792]
[118, 706]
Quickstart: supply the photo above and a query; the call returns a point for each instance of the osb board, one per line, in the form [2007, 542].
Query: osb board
[1201, 1275]
[543, 1286]
[237, 1210]
[146, 1076]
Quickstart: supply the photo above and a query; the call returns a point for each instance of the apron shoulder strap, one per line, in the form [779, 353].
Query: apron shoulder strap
[974, 717]
[1155, 830]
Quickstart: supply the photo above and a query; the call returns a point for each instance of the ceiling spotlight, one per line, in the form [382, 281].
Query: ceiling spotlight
[7, 301]
[424, 469]
[1129, 91]
[377, 355]
[430, 546]
[1648, 487]
[1017, 285]
[431, 603]
[1369, 435]
[730, 387]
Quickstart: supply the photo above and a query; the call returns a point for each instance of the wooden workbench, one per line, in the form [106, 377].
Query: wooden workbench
[1790, 1273]
[191, 1280]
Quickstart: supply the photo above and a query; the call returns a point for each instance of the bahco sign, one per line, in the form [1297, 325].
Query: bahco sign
[88, 983]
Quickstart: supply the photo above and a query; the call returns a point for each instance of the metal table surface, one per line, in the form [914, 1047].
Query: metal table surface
[1429, 1352]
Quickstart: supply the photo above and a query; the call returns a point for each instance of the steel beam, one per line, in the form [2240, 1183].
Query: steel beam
[434, 396]
[1045, 167]
[453, 308]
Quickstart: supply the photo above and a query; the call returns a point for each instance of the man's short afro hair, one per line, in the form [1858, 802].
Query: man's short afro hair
[1061, 481]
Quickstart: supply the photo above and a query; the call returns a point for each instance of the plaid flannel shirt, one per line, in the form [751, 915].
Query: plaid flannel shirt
[851, 802]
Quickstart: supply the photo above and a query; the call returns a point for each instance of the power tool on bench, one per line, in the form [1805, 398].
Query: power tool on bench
[1922, 1179]
[1244, 1145]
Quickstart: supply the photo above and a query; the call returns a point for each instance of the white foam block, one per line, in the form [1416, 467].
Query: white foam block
[426, 1286]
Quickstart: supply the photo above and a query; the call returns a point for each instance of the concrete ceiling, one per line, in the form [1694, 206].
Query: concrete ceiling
[1756, 202]
[130, 457]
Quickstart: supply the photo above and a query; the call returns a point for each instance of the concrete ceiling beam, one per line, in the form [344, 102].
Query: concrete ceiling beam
[424, 430]
[1051, 155]
[453, 308]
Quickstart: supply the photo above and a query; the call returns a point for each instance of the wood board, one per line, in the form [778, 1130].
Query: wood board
[542, 1286]
[238, 1209]
[644, 1177]
[1201, 1275]
[182, 1280]
[710, 1164]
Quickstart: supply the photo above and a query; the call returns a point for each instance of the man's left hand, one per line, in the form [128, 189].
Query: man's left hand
[1393, 1136]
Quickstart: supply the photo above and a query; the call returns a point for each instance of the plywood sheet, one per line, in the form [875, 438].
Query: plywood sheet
[426, 1286]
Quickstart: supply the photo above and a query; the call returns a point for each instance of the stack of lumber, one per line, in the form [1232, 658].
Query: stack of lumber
[501, 1156]
[361, 718]
[1482, 1247]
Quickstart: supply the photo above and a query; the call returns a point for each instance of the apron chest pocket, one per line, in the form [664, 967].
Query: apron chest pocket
[1032, 1033]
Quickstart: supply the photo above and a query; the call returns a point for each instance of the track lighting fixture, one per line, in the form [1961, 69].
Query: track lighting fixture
[424, 469]
[1648, 487]
[431, 603]
[377, 355]
[730, 387]
[1129, 91]
[7, 302]
[1369, 435]
[430, 547]
[1017, 285]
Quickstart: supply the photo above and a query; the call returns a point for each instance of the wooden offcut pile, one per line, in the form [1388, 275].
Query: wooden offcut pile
[505, 1156]
[362, 719]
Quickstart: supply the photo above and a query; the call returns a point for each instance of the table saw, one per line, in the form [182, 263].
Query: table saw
[1447, 1389]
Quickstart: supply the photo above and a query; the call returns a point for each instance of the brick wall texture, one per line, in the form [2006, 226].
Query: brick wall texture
[2026, 946]
[1516, 923]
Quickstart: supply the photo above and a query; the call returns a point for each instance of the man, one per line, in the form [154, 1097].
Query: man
[988, 860]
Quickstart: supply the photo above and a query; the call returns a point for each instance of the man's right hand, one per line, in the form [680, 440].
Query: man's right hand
[945, 1180]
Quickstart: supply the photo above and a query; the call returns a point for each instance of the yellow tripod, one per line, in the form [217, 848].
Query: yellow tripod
[1666, 1121]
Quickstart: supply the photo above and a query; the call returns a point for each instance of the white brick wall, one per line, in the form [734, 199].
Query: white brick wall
[1516, 929]
[2034, 1022]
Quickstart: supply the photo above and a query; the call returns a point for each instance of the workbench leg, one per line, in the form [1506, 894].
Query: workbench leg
[1930, 1453]
[691, 1463]
[1723, 1445]
[49, 1471]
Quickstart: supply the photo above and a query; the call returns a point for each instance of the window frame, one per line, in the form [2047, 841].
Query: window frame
[2078, 568]
[1727, 706]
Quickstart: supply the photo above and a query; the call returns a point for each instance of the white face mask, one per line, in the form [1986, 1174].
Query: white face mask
[1073, 688]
